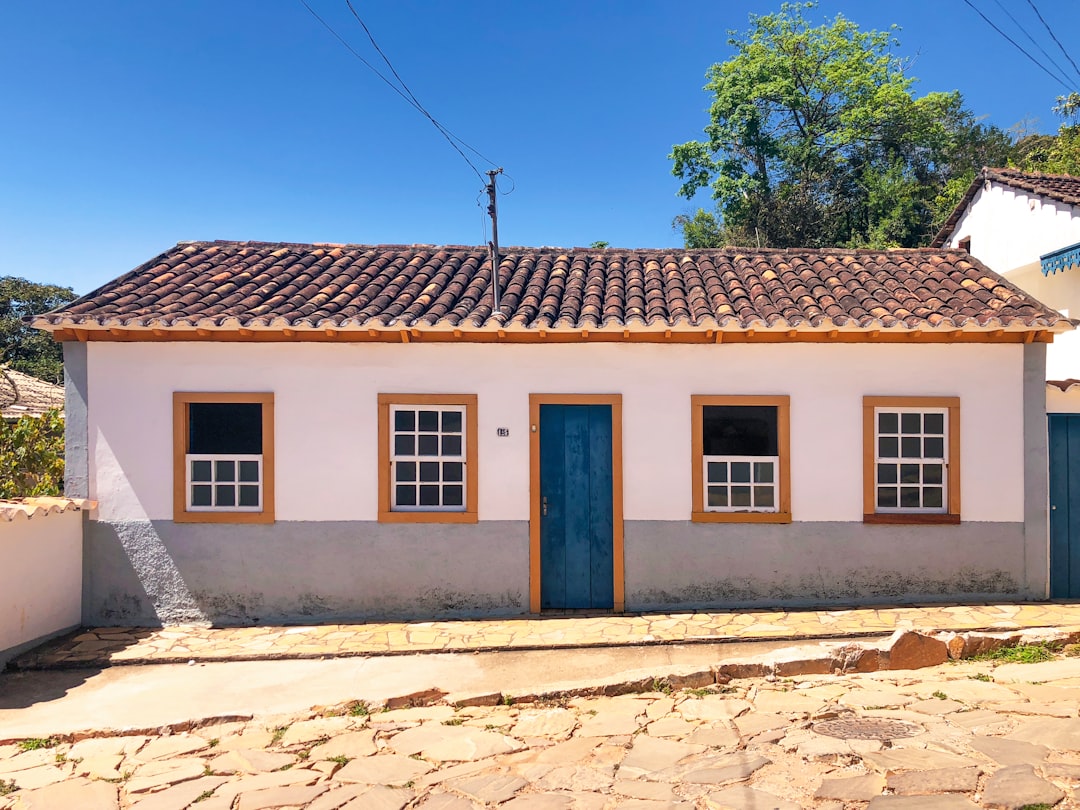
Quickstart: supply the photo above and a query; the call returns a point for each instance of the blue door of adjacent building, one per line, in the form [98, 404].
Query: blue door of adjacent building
[576, 507]
[1064, 505]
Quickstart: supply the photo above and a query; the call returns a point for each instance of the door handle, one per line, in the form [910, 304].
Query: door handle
[543, 506]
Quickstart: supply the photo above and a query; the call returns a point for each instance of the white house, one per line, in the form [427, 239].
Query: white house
[1026, 226]
[279, 432]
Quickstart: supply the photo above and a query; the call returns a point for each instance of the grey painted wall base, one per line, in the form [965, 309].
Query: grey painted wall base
[677, 565]
[160, 572]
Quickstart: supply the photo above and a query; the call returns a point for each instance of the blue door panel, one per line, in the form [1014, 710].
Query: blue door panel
[1064, 439]
[1059, 506]
[600, 507]
[576, 446]
[576, 523]
[552, 521]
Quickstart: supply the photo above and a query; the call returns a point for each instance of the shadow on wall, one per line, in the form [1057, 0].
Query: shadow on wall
[149, 573]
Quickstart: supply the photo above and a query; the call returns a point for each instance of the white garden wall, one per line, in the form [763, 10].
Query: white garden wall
[41, 557]
[325, 402]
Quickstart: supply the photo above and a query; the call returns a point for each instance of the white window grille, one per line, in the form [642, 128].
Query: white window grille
[911, 447]
[224, 483]
[741, 483]
[427, 458]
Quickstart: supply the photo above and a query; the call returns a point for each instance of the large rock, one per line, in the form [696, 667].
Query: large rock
[908, 649]
[1018, 786]
[650, 754]
[1009, 752]
[385, 769]
[490, 788]
[556, 724]
[938, 780]
[353, 744]
[452, 743]
[946, 802]
[852, 789]
[271, 798]
[251, 760]
[75, 793]
[179, 796]
[916, 759]
[741, 797]
[175, 746]
[712, 708]
[1055, 733]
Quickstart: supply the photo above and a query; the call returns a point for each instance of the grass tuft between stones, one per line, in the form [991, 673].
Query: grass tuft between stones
[37, 743]
[7, 787]
[1020, 654]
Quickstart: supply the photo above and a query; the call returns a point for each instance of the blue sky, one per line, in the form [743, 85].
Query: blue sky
[129, 125]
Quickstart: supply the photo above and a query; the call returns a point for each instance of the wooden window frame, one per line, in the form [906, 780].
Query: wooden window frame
[782, 403]
[951, 405]
[181, 401]
[470, 513]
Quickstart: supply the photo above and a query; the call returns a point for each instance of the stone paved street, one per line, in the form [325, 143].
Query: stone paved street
[125, 645]
[970, 734]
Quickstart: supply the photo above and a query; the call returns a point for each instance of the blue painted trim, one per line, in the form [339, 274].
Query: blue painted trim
[1060, 259]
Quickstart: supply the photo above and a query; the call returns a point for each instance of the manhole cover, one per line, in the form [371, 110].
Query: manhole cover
[867, 728]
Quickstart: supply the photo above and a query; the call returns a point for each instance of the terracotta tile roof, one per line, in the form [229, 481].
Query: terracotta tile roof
[275, 285]
[38, 507]
[1061, 187]
[23, 395]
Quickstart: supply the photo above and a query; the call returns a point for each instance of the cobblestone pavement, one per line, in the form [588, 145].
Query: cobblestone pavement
[961, 735]
[125, 645]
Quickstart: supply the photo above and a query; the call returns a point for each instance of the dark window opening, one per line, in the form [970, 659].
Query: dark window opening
[739, 430]
[225, 428]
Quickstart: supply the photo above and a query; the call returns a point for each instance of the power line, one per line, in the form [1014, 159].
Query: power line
[393, 87]
[405, 87]
[1016, 45]
[1050, 31]
[1032, 40]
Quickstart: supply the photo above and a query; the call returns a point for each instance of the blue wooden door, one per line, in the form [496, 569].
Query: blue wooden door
[576, 517]
[1064, 505]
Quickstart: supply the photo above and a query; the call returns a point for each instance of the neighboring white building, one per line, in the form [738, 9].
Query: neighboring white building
[1026, 226]
[279, 432]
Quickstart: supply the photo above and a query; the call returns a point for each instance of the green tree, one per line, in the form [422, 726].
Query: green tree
[1055, 154]
[25, 349]
[815, 138]
[32, 456]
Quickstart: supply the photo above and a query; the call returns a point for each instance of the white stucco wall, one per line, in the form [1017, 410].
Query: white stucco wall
[40, 577]
[325, 401]
[1010, 228]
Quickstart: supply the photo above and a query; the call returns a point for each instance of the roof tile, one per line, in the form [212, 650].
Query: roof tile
[423, 286]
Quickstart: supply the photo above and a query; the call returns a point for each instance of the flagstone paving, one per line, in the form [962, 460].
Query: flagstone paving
[178, 644]
[975, 743]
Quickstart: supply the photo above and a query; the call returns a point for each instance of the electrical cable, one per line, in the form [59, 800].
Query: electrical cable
[1050, 31]
[405, 87]
[392, 86]
[513, 188]
[1020, 48]
[1033, 41]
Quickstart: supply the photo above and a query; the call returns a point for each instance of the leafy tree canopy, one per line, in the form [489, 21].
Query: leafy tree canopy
[25, 349]
[1054, 154]
[816, 138]
[32, 456]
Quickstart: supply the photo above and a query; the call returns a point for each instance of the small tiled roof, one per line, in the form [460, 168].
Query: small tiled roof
[23, 395]
[258, 285]
[39, 507]
[1061, 187]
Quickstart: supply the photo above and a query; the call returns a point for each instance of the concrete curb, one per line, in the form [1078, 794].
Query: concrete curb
[30, 662]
